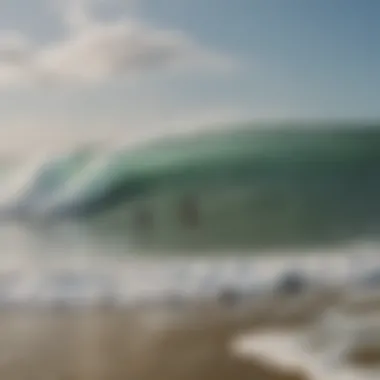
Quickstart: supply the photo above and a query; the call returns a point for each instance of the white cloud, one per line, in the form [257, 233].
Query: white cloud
[75, 14]
[93, 51]
[16, 54]
[105, 51]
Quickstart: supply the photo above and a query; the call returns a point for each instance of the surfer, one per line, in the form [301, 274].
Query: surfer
[189, 213]
[144, 219]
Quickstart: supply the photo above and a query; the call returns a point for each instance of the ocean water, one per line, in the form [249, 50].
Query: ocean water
[191, 217]
[244, 195]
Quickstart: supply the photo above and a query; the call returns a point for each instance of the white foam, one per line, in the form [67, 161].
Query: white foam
[284, 350]
[127, 278]
[322, 349]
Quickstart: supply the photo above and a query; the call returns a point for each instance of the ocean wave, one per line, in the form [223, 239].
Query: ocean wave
[284, 184]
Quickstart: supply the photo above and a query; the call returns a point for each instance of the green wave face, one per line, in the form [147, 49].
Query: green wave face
[250, 188]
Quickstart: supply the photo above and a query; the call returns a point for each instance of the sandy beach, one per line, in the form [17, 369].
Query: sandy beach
[115, 346]
[192, 342]
[114, 343]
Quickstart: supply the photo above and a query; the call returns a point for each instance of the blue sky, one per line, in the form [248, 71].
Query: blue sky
[120, 70]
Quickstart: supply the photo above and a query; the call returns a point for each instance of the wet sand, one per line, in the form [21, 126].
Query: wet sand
[116, 344]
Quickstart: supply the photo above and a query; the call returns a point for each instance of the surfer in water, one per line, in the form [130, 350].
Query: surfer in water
[144, 219]
[189, 212]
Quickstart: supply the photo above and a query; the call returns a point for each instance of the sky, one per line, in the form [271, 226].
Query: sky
[74, 71]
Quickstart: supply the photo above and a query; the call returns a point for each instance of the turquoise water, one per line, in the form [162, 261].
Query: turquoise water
[250, 187]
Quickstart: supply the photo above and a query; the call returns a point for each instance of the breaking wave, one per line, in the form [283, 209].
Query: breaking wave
[280, 185]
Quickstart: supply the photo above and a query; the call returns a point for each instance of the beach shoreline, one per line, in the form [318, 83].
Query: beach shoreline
[178, 341]
[116, 343]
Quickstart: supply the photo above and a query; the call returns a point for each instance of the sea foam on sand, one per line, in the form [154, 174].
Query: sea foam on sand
[342, 344]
